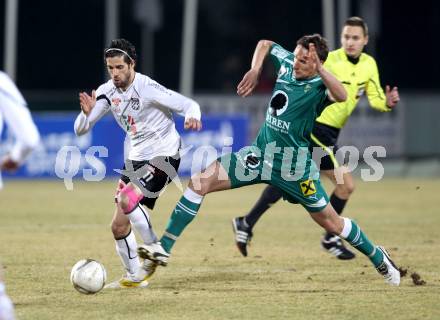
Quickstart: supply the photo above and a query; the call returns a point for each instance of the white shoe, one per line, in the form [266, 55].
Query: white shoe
[388, 269]
[128, 281]
[154, 252]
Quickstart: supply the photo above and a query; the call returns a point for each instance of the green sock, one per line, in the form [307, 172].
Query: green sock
[357, 238]
[182, 215]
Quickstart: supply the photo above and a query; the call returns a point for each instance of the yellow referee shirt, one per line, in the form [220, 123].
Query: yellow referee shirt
[357, 79]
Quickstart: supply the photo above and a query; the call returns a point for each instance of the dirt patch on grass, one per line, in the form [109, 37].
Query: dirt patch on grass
[417, 280]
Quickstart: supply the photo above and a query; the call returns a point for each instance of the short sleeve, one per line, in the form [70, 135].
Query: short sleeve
[278, 55]
[324, 100]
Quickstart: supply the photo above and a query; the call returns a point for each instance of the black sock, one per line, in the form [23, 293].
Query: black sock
[269, 196]
[337, 203]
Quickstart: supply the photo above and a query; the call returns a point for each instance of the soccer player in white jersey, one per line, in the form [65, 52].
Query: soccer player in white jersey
[16, 115]
[143, 108]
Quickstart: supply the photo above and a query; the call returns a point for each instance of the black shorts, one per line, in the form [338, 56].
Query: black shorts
[323, 138]
[152, 177]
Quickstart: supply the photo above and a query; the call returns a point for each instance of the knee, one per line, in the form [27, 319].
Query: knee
[271, 194]
[129, 197]
[350, 187]
[347, 188]
[119, 230]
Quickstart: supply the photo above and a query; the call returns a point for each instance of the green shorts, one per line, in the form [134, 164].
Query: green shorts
[245, 168]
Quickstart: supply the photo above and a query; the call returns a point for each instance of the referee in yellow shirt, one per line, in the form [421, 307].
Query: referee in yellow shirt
[359, 74]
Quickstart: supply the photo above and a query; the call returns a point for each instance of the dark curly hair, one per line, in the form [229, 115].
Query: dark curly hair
[320, 44]
[121, 47]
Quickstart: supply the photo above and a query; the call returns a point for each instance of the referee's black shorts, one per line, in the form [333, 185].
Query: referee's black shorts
[324, 144]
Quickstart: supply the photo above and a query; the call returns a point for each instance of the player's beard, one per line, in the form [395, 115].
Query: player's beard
[120, 84]
[123, 84]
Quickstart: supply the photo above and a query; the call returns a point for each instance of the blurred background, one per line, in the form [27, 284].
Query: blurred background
[202, 48]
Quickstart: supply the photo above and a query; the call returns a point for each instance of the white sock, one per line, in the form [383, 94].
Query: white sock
[347, 228]
[6, 306]
[192, 196]
[140, 220]
[126, 249]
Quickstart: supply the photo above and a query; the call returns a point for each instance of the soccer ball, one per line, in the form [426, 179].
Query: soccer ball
[88, 276]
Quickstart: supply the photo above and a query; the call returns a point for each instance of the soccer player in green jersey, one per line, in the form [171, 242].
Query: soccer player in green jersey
[358, 73]
[279, 155]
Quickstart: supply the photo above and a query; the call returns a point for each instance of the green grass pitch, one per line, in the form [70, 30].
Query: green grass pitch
[45, 229]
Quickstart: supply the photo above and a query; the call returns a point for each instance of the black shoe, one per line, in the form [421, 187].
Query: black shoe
[334, 245]
[243, 235]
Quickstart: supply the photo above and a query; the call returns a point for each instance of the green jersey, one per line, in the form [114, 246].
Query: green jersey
[280, 154]
[291, 114]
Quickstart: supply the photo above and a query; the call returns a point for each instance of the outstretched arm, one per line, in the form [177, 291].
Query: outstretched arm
[87, 102]
[91, 111]
[187, 107]
[250, 79]
[26, 134]
[378, 100]
[336, 90]
[178, 103]
[18, 118]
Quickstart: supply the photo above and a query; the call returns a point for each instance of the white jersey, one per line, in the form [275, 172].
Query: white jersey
[16, 115]
[14, 112]
[144, 112]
